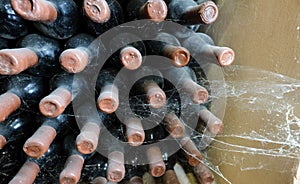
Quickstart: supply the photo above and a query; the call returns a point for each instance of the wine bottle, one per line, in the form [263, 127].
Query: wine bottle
[54, 18]
[36, 145]
[203, 48]
[187, 83]
[108, 99]
[32, 166]
[116, 168]
[102, 15]
[174, 125]
[76, 54]
[37, 53]
[170, 176]
[203, 174]
[151, 86]
[156, 10]
[17, 127]
[191, 152]
[134, 131]
[74, 164]
[170, 47]
[10, 161]
[65, 87]
[94, 169]
[12, 25]
[188, 12]
[21, 90]
[129, 53]
[213, 123]
[157, 166]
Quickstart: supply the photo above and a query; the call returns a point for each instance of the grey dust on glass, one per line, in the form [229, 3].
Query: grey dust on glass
[141, 30]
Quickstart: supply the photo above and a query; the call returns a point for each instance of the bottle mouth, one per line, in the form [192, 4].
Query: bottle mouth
[226, 56]
[208, 12]
[74, 60]
[155, 10]
[131, 58]
[97, 11]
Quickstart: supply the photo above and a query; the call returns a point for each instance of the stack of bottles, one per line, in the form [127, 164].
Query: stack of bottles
[45, 43]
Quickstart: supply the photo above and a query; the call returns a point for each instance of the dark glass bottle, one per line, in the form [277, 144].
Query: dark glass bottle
[65, 87]
[185, 80]
[55, 18]
[102, 15]
[170, 176]
[37, 53]
[76, 54]
[170, 47]
[135, 133]
[149, 86]
[203, 174]
[21, 91]
[202, 47]
[3, 43]
[155, 10]
[94, 169]
[191, 152]
[51, 160]
[74, 164]
[188, 12]
[154, 155]
[16, 128]
[108, 98]
[114, 150]
[12, 25]
[36, 145]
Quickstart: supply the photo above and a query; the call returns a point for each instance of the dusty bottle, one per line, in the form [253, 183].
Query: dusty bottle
[102, 15]
[108, 98]
[187, 82]
[32, 166]
[55, 18]
[17, 127]
[36, 53]
[134, 131]
[155, 10]
[167, 45]
[74, 163]
[36, 145]
[76, 54]
[190, 151]
[94, 169]
[64, 88]
[188, 12]
[203, 174]
[21, 90]
[114, 151]
[12, 25]
[150, 86]
[170, 176]
[203, 48]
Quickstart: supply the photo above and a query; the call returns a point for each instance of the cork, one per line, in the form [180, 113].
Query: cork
[87, 140]
[54, 104]
[74, 60]
[224, 55]
[26, 174]
[9, 102]
[203, 174]
[99, 180]
[39, 142]
[136, 180]
[15, 61]
[98, 11]
[156, 10]
[214, 124]
[108, 100]
[72, 170]
[155, 95]
[35, 10]
[174, 125]
[131, 58]
[179, 56]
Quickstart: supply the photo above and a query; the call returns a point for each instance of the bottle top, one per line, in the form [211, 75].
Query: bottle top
[97, 11]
